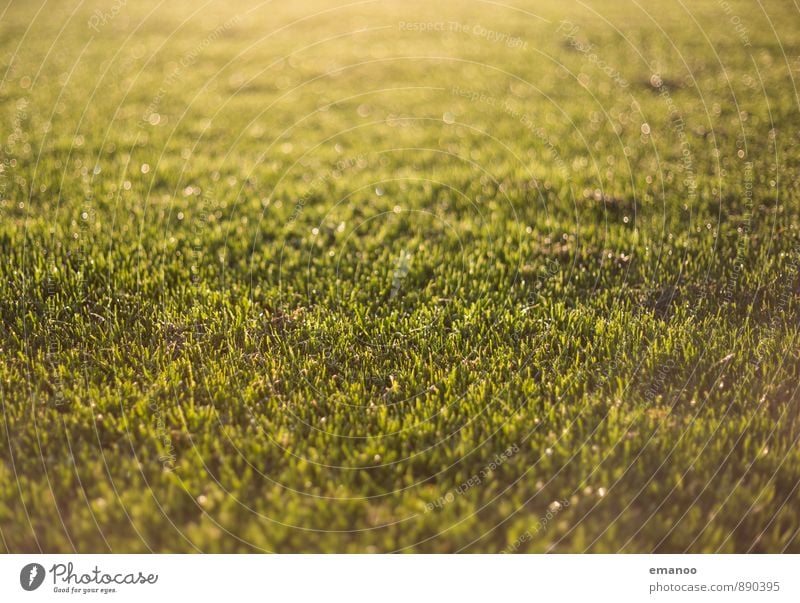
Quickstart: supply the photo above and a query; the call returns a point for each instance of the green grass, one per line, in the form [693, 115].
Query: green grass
[301, 277]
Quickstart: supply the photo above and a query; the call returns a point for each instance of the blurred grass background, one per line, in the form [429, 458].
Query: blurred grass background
[287, 276]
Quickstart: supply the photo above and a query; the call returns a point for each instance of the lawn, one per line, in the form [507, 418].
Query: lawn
[400, 276]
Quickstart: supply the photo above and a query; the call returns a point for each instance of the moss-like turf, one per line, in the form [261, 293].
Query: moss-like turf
[403, 276]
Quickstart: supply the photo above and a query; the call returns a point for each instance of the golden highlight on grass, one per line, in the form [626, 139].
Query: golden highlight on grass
[285, 276]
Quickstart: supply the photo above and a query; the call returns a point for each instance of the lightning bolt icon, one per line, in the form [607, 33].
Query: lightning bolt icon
[32, 575]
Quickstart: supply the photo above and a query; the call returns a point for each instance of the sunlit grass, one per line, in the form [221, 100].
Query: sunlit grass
[294, 276]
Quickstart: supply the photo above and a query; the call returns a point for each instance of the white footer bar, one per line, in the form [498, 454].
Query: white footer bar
[400, 578]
